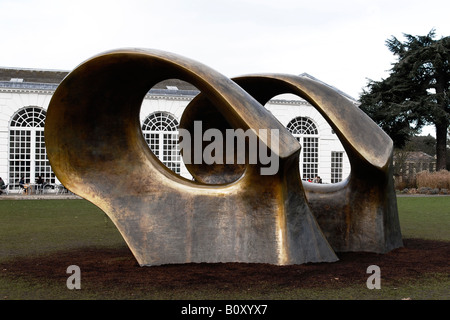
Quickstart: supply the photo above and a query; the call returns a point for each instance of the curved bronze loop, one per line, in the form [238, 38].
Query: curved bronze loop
[96, 149]
[359, 214]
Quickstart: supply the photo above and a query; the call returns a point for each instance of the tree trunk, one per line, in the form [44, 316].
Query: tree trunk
[442, 122]
[441, 145]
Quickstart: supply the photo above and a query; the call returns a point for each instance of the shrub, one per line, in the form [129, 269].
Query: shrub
[433, 180]
[405, 183]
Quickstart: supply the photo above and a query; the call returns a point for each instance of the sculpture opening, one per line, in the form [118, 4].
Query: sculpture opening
[323, 160]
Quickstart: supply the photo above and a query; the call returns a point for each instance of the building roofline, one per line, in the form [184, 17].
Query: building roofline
[33, 69]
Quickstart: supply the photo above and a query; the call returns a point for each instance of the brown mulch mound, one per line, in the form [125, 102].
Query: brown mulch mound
[102, 267]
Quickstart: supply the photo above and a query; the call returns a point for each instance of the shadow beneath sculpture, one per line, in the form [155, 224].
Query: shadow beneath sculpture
[232, 212]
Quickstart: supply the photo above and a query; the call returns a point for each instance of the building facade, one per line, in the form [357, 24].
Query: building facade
[25, 95]
[407, 164]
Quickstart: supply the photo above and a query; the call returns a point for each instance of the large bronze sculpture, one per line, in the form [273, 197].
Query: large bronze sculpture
[232, 212]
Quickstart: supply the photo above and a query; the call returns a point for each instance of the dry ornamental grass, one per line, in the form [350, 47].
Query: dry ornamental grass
[435, 180]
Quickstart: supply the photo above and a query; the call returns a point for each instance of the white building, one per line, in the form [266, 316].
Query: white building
[26, 93]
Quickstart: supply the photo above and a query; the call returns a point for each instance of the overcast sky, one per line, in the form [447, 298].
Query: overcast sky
[339, 42]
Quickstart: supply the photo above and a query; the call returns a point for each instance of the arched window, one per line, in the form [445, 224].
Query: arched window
[27, 154]
[32, 117]
[160, 130]
[160, 121]
[302, 126]
[305, 131]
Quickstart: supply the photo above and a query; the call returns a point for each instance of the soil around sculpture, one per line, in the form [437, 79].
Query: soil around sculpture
[106, 270]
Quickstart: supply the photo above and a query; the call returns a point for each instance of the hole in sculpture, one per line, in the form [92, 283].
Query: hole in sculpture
[322, 158]
[206, 159]
[160, 115]
[171, 106]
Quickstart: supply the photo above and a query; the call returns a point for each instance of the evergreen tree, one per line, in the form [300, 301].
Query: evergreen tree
[425, 144]
[416, 92]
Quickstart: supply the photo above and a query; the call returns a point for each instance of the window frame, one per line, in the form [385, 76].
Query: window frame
[27, 155]
[305, 130]
[160, 131]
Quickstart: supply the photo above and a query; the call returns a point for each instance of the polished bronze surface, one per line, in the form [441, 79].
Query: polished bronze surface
[231, 212]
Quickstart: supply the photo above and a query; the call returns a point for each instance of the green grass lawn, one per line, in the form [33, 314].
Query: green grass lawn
[34, 228]
[425, 217]
[29, 227]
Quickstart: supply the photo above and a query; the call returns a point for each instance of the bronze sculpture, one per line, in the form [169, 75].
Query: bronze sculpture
[231, 212]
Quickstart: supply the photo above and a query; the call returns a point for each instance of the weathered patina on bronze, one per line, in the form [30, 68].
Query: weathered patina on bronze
[231, 212]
